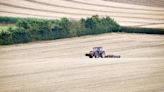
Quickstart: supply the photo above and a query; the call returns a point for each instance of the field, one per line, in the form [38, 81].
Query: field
[153, 3]
[5, 27]
[60, 66]
[136, 13]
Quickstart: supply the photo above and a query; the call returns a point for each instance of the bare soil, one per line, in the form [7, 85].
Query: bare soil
[61, 65]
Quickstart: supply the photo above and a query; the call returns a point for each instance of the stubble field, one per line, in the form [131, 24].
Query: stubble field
[60, 66]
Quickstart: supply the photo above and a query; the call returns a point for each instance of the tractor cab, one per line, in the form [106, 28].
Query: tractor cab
[99, 49]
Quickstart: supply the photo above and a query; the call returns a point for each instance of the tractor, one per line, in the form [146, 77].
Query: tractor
[99, 52]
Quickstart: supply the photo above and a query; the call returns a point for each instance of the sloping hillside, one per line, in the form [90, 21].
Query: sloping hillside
[127, 13]
[153, 3]
[60, 66]
[126, 45]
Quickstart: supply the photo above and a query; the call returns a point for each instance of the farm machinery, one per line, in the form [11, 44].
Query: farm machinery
[99, 52]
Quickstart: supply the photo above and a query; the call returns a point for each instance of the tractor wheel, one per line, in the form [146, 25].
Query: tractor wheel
[96, 55]
[103, 55]
[90, 56]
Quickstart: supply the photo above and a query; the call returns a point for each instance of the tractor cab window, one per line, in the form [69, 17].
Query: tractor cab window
[97, 49]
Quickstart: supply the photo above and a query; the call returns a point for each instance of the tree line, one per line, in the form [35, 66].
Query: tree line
[33, 29]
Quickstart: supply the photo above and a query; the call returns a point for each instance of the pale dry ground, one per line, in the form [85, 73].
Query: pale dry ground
[157, 3]
[60, 66]
[125, 12]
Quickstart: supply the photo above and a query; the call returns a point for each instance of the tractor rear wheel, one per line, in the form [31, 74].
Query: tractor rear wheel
[102, 55]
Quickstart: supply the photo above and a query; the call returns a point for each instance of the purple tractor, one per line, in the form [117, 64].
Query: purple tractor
[99, 52]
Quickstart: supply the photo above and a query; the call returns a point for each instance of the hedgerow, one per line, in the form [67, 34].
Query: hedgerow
[32, 29]
[142, 30]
